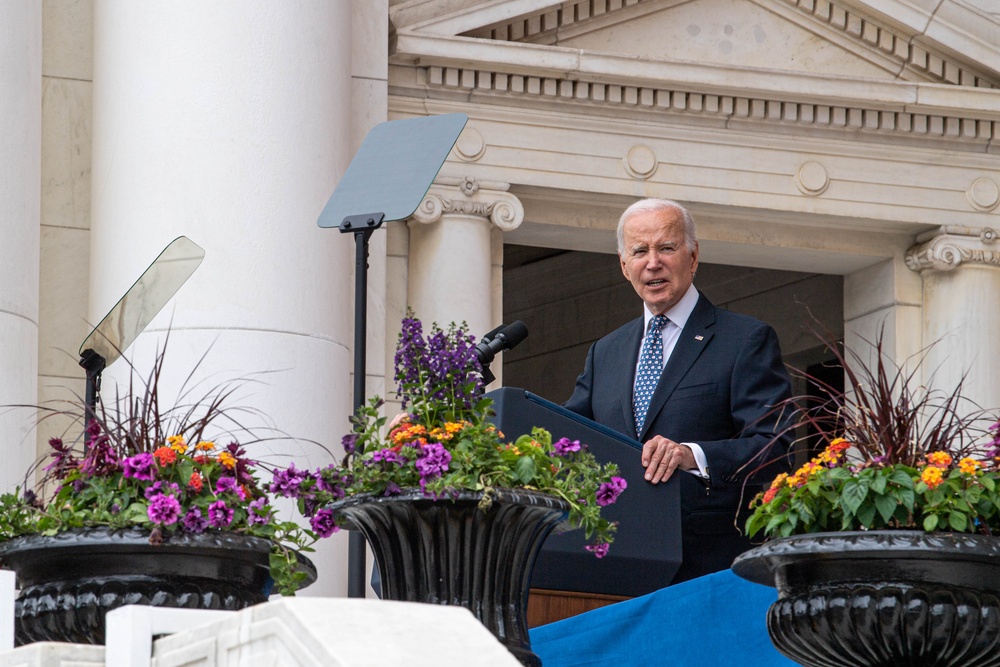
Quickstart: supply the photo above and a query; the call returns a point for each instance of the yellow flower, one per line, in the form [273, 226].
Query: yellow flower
[173, 440]
[227, 460]
[779, 480]
[969, 465]
[205, 446]
[939, 459]
[932, 476]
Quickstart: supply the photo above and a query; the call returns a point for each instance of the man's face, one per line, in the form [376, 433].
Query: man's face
[656, 260]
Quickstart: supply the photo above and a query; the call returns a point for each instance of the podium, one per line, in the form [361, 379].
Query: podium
[646, 552]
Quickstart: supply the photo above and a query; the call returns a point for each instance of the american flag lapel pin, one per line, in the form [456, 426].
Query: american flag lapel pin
[699, 337]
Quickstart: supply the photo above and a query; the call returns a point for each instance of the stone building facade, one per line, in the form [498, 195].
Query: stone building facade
[842, 154]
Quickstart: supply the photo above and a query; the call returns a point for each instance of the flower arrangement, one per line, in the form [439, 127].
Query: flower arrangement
[445, 443]
[140, 465]
[896, 457]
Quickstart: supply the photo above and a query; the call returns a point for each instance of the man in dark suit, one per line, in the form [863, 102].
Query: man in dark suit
[697, 387]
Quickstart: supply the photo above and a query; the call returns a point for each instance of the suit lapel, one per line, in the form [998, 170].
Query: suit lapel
[626, 355]
[692, 342]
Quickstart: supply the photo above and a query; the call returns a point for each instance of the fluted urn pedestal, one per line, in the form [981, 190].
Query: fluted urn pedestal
[882, 598]
[455, 551]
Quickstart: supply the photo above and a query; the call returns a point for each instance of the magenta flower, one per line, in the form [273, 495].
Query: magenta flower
[433, 461]
[229, 485]
[140, 467]
[599, 550]
[565, 446]
[609, 491]
[194, 522]
[286, 482]
[258, 512]
[323, 523]
[164, 510]
[219, 514]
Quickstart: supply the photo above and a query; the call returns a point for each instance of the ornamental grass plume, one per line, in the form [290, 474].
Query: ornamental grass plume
[445, 443]
[898, 456]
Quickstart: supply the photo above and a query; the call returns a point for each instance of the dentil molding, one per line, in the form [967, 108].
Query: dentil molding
[952, 245]
[470, 196]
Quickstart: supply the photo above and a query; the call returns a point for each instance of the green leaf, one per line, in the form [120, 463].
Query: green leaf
[886, 506]
[524, 470]
[866, 515]
[958, 521]
[853, 495]
[902, 478]
[878, 484]
[988, 483]
[930, 522]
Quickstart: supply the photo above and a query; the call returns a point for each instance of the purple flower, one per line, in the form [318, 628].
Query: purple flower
[349, 442]
[258, 512]
[392, 489]
[194, 522]
[219, 514]
[323, 523]
[609, 491]
[286, 482]
[168, 488]
[229, 485]
[433, 461]
[600, 550]
[164, 510]
[140, 467]
[564, 446]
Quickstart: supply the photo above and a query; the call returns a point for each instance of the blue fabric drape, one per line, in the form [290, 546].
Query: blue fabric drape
[713, 621]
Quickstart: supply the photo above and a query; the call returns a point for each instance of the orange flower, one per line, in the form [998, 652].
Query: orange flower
[165, 455]
[770, 494]
[205, 446]
[227, 460]
[939, 459]
[932, 476]
[969, 465]
[196, 482]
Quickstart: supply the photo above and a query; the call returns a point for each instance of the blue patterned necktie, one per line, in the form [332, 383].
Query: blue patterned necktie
[650, 368]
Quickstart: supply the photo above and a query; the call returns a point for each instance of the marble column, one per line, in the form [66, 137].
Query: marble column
[960, 267]
[454, 254]
[20, 211]
[231, 122]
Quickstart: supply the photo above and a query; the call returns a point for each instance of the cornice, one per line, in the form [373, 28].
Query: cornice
[908, 44]
[469, 196]
[514, 73]
[953, 246]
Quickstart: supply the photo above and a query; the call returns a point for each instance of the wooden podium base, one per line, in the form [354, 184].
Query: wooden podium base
[546, 606]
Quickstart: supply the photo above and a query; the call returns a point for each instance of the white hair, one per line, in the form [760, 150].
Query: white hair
[652, 205]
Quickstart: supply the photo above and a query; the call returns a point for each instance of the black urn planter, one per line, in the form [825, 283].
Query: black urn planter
[70, 580]
[882, 598]
[449, 551]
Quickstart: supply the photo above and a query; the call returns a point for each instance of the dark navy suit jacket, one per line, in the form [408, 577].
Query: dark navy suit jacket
[719, 389]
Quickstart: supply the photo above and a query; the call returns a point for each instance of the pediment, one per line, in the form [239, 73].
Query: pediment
[947, 41]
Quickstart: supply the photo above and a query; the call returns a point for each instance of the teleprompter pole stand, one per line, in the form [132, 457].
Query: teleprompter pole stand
[362, 227]
[94, 364]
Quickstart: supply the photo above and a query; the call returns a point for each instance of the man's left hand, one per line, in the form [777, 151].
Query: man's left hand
[662, 456]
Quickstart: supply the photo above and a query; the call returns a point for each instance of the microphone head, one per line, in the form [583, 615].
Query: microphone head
[513, 334]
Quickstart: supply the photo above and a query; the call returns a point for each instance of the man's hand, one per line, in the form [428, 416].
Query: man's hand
[662, 456]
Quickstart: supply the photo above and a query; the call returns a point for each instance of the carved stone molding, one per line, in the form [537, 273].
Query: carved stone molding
[469, 196]
[952, 246]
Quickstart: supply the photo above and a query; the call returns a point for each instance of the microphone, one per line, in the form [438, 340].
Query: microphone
[500, 339]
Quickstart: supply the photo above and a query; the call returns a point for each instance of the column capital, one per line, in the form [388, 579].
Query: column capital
[950, 246]
[470, 196]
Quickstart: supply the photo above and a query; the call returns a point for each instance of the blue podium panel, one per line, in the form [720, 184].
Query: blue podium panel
[646, 552]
